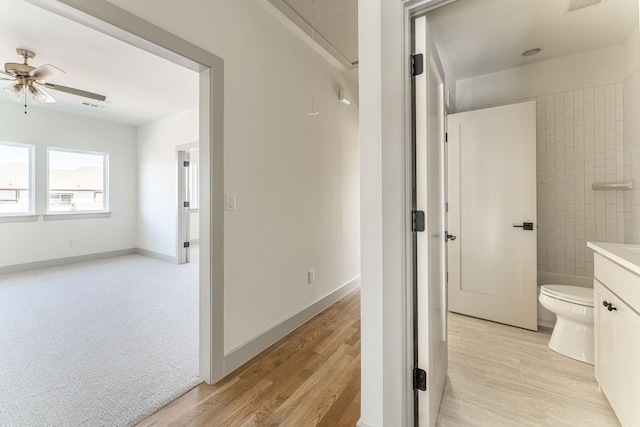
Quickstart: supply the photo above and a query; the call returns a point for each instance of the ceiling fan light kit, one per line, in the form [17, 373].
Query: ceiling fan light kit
[32, 80]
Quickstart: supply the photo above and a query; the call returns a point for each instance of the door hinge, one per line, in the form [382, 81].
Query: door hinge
[447, 277]
[416, 65]
[417, 221]
[446, 206]
[185, 204]
[446, 137]
[419, 379]
[185, 163]
[185, 245]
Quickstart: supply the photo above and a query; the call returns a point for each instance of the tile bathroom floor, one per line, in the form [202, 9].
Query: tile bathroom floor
[505, 376]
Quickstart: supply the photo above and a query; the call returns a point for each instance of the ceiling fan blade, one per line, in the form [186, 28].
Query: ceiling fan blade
[45, 72]
[3, 78]
[7, 74]
[77, 92]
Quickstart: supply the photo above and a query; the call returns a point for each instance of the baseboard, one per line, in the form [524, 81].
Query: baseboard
[157, 255]
[17, 268]
[362, 424]
[242, 354]
[546, 324]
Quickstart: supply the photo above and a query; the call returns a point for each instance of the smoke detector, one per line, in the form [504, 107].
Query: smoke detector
[575, 5]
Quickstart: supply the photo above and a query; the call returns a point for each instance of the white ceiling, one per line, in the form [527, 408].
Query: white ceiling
[140, 87]
[481, 36]
[485, 36]
[478, 36]
[335, 23]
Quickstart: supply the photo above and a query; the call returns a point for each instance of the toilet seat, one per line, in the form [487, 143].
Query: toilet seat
[572, 294]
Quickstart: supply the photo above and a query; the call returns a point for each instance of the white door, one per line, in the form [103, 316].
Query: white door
[492, 211]
[429, 253]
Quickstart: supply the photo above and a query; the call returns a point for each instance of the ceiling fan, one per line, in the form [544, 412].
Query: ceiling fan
[33, 80]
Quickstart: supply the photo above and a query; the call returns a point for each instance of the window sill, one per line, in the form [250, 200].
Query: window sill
[19, 218]
[76, 215]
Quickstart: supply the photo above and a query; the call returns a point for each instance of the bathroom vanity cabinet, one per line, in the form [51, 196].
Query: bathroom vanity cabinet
[617, 327]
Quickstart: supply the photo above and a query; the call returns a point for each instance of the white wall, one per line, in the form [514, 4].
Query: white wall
[296, 177]
[25, 242]
[632, 53]
[594, 68]
[158, 179]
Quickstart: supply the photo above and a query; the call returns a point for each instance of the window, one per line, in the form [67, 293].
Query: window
[16, 171]
[77, 181]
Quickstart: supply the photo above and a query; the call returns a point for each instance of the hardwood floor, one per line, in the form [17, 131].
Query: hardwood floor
[498, 376]
[309, 378]
[505, 376]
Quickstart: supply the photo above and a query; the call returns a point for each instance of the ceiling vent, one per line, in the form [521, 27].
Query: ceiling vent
[90, 104]
[575, 5]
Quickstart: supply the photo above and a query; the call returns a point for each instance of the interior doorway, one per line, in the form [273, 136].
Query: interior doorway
[118, 23]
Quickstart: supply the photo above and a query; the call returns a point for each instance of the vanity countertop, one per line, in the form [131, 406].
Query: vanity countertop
[626, 255]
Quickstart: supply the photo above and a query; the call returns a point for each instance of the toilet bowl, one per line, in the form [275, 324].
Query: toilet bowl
[573, 333]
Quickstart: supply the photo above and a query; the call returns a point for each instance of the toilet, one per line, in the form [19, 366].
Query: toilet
[573, 333]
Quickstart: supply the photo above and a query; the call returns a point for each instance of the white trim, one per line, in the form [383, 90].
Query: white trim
[247, 351]
[28, 266]
[19, 218]
[362, 424]
[76, 215]
[125, 26]
[157, 255]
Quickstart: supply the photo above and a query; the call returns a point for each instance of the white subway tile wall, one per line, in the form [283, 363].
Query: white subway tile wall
[581, 140]
[631, 128]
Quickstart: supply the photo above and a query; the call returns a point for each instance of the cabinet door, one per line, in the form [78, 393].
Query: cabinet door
[605, 340]
[628, 393]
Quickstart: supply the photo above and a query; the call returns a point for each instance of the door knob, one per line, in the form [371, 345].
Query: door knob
[449, 237]
[609, 306]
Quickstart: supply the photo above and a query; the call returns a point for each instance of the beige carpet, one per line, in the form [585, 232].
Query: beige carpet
[102, 343]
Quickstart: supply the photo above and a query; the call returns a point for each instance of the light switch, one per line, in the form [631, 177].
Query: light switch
[230, 202]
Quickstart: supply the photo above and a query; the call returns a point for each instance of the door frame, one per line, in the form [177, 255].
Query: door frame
[411, 9]
[183, 233]
[129, 28]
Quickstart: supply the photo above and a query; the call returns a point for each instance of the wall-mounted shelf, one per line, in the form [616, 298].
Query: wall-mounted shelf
[626, 185]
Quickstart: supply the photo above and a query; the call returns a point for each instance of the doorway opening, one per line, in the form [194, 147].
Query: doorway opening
[122, 25]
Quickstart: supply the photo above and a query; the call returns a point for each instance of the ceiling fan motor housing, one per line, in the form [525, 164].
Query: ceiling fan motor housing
[18, 69]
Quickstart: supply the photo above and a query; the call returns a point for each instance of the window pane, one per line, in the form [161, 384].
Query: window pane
[76, 181]
[14, 179]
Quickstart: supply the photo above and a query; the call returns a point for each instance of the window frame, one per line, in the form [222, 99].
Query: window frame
[105, 184]
[31, 179]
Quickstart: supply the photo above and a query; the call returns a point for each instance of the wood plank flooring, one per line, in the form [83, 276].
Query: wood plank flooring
[498, 376]
[505, 376]
[309, 378]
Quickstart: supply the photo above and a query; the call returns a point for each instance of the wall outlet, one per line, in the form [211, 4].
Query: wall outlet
[311, 276]
[71, 242]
